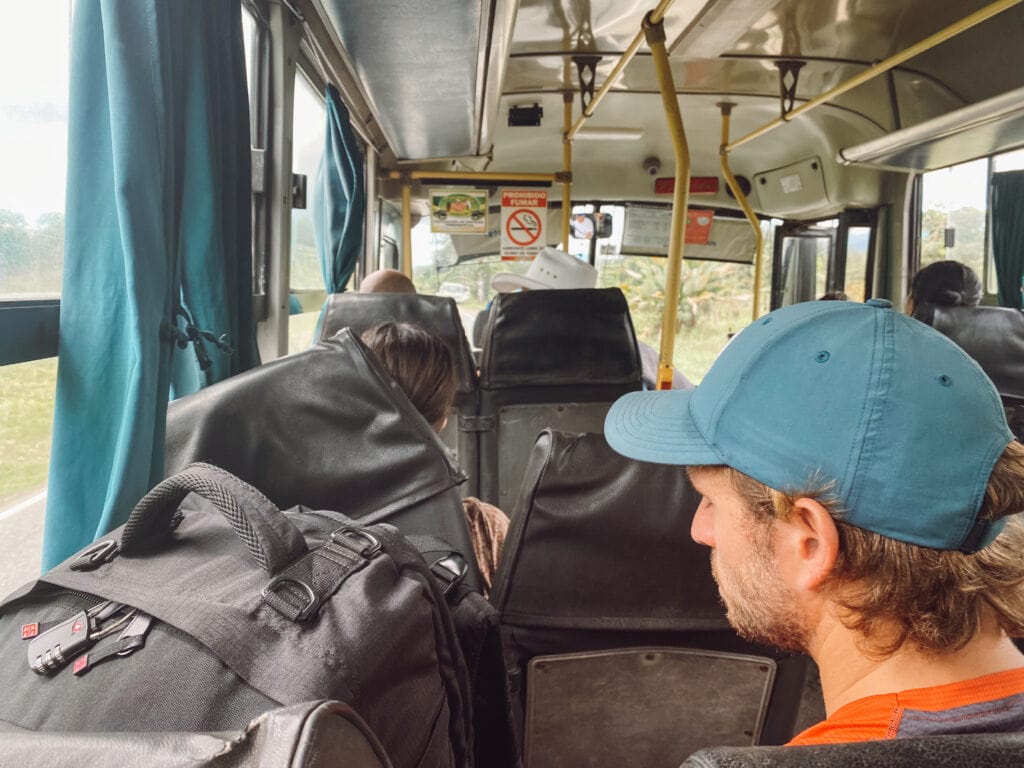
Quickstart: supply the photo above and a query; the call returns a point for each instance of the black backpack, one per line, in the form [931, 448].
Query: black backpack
[211, 606]
[318, 734]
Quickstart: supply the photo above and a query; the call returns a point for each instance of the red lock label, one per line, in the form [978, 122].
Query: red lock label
[28, 631]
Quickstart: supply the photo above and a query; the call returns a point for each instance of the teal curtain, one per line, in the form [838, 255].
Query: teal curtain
[1008, 235]
[339, 198]
[157, 273]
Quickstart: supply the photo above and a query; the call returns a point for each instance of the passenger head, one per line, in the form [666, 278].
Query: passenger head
[550, 269]
[946, 284]
[834, 296]
[420, 363]
[849, 455]
[386, 281]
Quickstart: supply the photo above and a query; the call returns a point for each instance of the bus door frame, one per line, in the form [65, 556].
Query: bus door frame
[800, 231]
[855, 217]
[835, 275]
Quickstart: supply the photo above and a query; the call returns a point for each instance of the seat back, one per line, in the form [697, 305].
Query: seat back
[326, 428]
[440, 316]
[553, 359]
[614, 632]
[994, 337]
[992, 750]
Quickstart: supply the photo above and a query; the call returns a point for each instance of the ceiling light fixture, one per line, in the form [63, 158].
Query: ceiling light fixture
[609, 134]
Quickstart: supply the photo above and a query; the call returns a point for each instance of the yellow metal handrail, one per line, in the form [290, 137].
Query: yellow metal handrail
[566, 168]
[883, 66]
[407, 228]
[741, 198]
[654, 31]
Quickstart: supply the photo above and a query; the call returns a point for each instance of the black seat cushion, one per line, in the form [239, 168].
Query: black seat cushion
[437, 314]
[993, 336]
[560, 338]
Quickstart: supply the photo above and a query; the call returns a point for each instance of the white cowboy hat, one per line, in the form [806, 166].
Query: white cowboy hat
[550, 269]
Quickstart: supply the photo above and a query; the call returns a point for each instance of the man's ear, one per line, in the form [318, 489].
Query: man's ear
[812, 543]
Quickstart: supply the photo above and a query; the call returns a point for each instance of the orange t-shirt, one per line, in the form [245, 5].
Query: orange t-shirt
[989, 704]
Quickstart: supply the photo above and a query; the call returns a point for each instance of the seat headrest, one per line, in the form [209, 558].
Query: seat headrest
[606, 540]
[560, 337]
[993, 336]
[992, 750]
[437, 314]
[326, 428]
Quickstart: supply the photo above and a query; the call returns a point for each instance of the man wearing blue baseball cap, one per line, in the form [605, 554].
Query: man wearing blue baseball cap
[858, 483]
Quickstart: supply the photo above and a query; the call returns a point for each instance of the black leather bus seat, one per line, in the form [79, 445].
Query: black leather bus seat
[440, 316]
[329, 429]
[991, 750]
[554, 359]
[617, 643]
[994, 337]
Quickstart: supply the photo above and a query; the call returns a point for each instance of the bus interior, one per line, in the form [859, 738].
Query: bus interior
[712, 159]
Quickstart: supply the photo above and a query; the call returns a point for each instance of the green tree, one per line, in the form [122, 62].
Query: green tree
[14, 242]
[968, 224]
[46, 252]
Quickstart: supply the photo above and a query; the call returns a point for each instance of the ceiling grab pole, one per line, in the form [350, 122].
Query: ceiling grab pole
[407, 227]
[730, 180]
[654, 31]
[566, 167]
[468, 176]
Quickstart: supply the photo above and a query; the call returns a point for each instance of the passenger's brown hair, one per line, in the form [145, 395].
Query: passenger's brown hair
[895, 593]
[420, 363]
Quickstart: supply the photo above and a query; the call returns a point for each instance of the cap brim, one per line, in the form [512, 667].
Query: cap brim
[509, 281]
[657, 427]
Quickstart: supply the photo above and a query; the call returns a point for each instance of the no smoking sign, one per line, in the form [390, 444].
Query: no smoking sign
[523, 216]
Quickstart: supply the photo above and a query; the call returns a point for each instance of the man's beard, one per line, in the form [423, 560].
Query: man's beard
[759, 605]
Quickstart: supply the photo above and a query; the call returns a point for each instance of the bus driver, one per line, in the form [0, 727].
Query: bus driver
[859, 485]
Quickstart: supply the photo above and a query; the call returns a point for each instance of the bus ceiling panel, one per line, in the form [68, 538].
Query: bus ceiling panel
[986, 128]
[856, 30]
[426, 68]
[865, 31]
[981, 62]
[589, 26]
[613, 169]
[730, 76]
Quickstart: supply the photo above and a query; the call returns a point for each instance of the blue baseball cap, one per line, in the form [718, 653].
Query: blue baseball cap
[899, 418]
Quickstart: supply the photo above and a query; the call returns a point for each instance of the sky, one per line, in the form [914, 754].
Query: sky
[33, 105]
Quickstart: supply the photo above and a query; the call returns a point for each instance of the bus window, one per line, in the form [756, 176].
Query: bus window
[953, 215]
[306, 279]
[858, 239]
[249, 33]
[33, 156]
[430, 251]
[33, 153]
[715, 302]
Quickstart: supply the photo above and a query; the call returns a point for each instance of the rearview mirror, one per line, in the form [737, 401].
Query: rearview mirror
[586, 226]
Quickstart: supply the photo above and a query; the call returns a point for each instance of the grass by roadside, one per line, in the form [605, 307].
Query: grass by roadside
[26, 421]
[26, 416]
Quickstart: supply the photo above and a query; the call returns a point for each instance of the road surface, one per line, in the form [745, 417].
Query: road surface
[21, 541]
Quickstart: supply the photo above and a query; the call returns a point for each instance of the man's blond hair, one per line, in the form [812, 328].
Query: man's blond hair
[894, 593]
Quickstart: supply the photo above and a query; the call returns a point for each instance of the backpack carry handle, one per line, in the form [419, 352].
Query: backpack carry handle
[269, 536]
